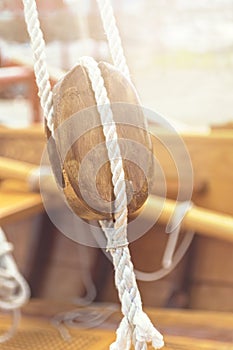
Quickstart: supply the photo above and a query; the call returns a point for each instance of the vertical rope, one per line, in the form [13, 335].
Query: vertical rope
[40, 67]
[119, 234]
[135, 326]
[113, 36]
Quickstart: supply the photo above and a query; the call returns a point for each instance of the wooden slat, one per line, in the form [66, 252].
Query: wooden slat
[13, 169]
[210, 276]
[200, 220]
[34, 131]
[212, 162]
[17, 203]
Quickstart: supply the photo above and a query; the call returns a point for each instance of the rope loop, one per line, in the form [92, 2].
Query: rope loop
[14, 290]
[171, 258]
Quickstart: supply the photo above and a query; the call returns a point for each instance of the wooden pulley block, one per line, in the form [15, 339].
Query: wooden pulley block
[79, 158]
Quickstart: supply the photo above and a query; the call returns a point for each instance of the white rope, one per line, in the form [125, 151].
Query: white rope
[38, 48]
[174, 230]
[83, 317]
[135, 324]
[113, 36]
[117, 232]
[171, 258]
[40, 67]
[14, 290]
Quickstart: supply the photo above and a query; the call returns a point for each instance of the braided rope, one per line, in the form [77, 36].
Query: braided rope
[40, 67]
[135, 324]
[117, 232]
[113, 36]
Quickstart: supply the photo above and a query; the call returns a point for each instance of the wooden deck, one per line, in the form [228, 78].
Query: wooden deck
[191, 330]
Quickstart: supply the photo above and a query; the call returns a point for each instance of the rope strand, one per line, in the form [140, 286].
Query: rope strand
[40, 66]
[135, 325]
[113, 37]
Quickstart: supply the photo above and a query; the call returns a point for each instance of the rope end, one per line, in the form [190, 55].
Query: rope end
[145, 332]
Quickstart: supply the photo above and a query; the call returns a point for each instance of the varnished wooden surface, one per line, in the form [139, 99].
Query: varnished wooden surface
[210, 279]
[74, 94]
[15, 170]
[16, 202]
[200, 220]
[212, 162]
[182, 330]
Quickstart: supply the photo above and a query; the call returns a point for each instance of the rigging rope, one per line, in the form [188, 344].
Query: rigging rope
[135, 326]
[39, 58]
[113, 36]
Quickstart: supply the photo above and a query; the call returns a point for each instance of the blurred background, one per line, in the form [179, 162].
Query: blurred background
[180, 54]
[179, 51]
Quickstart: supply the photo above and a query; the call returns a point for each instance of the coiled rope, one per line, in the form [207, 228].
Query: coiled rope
[14, 290]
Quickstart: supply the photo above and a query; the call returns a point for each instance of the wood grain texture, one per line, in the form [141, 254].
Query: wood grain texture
[211, 283]
[74, 94]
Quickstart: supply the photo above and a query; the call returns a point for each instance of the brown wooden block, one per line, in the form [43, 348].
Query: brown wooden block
[74, 94]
